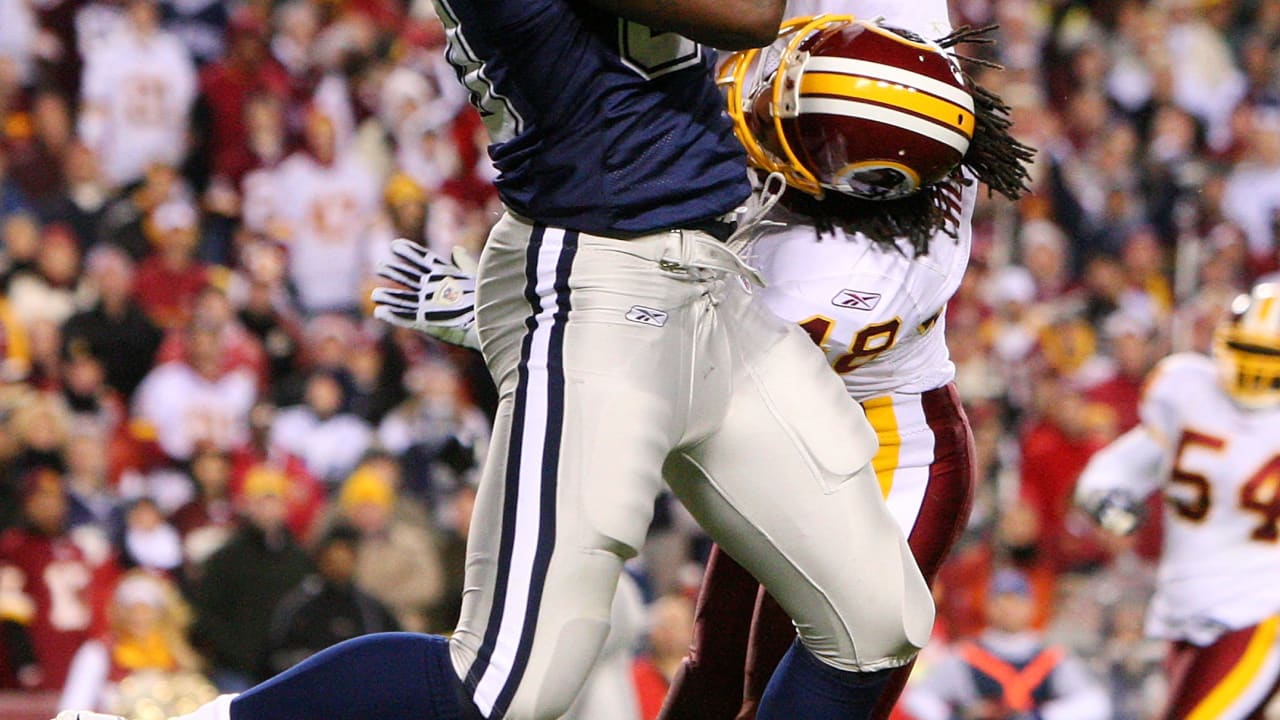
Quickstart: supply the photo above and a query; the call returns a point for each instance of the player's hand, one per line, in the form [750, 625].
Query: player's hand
[1116, 512]
[439, 297]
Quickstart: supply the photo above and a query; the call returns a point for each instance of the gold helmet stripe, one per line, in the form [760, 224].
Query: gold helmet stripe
[945, 113]
[1265, 316]
[890, 74]
[896, 118]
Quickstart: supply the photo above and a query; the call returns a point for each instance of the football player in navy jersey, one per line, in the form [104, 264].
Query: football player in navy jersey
[630, 350]
[866, 278]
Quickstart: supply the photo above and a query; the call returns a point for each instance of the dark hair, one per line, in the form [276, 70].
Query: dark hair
[338, 534]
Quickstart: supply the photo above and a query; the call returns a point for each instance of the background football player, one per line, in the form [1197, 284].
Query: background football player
[1209, 441]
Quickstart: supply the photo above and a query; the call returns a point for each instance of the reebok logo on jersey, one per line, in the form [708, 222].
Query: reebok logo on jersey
[647, 316]
[856, 299]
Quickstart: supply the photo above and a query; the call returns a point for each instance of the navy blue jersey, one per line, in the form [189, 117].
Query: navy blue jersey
[598, 124]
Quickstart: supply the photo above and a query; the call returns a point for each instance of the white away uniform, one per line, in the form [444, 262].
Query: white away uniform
[1217, 595]
[878, 315]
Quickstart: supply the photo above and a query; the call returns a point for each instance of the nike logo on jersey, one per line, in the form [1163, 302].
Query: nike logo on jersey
[647, 316]
[856, 299]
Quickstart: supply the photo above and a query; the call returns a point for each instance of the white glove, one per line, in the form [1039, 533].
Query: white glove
[1116, 512]
[439, 298]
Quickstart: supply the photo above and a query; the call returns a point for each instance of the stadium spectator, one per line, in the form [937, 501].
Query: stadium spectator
[144, 642]
[38, 162]
[208, 520]
[438, 432]
[148, 541]
[139, 85]
[20, 233]
[397, 561]
[1009, 671]
[228, 86]
[39, 426]
[328, 606]
[184, 403]
[94, 406]
[126, 217]
[48, 292]
[51, 589]
[243, 582]
[114, 329]
[212, 308]
[92, 497]
[451, 543]
[329, 440]
[171, 277]
[265, 312]
[81, 199]
[670, 630]
[1054, 450]
[306, 495]
[324, 218]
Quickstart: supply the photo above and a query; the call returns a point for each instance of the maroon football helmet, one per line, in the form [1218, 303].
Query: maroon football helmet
[852, 106]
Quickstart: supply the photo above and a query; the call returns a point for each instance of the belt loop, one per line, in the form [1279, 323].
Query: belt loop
[672, 255]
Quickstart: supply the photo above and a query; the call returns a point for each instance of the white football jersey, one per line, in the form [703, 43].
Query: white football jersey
[927, 17]
[876, 312]
[1219, 467]
[139, 93]
[186, 408]
[328, 210]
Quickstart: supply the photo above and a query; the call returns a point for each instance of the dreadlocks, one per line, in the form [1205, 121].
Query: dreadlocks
[994, 158]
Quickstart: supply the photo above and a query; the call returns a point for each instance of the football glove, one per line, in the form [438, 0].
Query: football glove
[438, 297]
[1115, 511]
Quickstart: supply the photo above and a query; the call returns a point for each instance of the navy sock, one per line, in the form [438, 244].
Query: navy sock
[805, 688]
[385, 676]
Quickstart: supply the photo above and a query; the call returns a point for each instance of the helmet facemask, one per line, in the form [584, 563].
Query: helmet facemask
[1246, 348]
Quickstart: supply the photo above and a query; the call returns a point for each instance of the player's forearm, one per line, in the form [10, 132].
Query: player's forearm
[726, 24]
[1130, 463]
[1118, 479]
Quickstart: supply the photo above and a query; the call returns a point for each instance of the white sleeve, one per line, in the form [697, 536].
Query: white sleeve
[1077, 694]
[86, 677]
[1158, 408]
[1132, 462]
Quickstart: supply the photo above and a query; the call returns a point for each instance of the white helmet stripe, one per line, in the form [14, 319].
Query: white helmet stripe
[889, 73]
[887, 116]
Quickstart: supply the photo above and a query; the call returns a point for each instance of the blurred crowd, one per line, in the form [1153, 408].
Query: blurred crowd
[214, 463]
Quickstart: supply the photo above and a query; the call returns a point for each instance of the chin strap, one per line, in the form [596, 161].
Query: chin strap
[753, 215]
